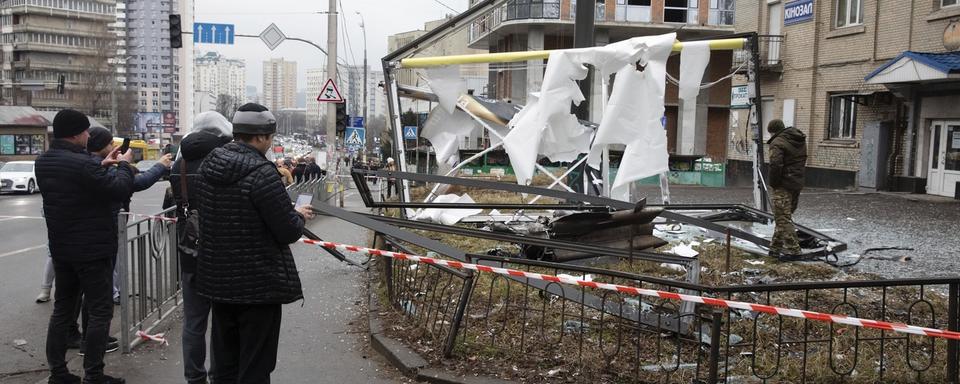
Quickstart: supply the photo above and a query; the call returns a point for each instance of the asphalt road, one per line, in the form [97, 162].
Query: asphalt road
[23, 253]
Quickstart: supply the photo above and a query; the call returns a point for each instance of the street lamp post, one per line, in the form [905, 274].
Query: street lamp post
[366, 104]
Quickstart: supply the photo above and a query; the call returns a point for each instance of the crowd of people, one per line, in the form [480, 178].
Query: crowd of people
[235, 222]
[299, 169]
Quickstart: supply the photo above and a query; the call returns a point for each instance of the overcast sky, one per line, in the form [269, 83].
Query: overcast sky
[298, 18]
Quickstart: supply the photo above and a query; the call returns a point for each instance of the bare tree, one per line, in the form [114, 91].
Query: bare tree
[92, 92]
[227, 105]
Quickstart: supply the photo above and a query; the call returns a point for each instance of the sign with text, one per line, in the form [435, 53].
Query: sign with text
[356, 121]
[798, 11]
[209, 33]
[740, 97]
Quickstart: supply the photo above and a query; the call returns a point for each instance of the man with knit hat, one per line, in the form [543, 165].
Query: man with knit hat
[79, 193]
[100, 145]
[788, 159]
[244, 264]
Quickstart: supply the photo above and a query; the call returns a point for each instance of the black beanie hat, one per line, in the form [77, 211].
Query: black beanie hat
[254, 119]
[69, 123]
[775, 126]
[99, 138]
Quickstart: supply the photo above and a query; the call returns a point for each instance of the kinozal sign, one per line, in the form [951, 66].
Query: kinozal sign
[798, 12]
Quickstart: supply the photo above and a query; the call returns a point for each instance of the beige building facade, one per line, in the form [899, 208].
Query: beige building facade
[872, 83]
[279, 84]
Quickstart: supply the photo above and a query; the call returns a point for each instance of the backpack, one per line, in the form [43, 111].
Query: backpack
[188, 228]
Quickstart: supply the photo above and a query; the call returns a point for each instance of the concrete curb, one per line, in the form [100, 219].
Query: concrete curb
[405, 359]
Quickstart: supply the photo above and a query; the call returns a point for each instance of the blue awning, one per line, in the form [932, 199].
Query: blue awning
[912, 66]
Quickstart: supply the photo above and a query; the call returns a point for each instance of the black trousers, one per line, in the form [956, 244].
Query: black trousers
[244, 340]
[94, 282]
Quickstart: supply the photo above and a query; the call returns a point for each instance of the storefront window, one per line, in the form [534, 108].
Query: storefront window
[22, 144]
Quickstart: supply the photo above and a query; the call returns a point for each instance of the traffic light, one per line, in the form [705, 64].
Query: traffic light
[342, 117]
[176, 33]
[61, 84]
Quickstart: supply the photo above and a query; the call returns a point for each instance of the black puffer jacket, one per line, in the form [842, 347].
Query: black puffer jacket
[788, 159]
[246, 223]
[193, 149]
[78, 200]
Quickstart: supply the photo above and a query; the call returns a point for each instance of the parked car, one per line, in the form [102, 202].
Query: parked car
[18, 176]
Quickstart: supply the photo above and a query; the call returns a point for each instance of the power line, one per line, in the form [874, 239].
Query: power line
[447, 6]
[349, 44]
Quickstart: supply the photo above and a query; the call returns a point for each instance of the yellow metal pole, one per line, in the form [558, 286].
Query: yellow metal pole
[508, 57]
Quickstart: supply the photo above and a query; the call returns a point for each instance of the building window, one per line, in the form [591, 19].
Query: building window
[721, 12]
[843, 117]
[948, 3]
[680, 11]
[850, 12]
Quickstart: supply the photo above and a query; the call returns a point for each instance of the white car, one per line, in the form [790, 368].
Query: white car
[18, 176]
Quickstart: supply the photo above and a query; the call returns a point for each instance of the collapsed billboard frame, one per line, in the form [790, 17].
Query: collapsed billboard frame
[672, 213]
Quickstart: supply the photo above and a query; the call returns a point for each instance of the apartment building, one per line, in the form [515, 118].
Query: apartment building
[218, 75]
[526, 25]
[873, 84]
[279, 84]
[42, 40]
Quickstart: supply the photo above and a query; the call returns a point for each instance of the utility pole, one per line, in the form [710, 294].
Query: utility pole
[583, 38]
[332, 73]
[366, 104]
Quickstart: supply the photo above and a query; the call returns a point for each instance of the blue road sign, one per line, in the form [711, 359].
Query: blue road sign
[410, 132]
[209, 33]
[356, 137]
[356, 121]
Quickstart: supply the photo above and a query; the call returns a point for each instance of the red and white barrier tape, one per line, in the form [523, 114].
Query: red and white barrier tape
[158, 218]
[158, 337]
[818, 316]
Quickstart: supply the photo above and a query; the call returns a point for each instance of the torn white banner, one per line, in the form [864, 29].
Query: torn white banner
[632, 117]
[447, 84]
[546, 126]
[693, 62]
[446, 131]
[448, 216]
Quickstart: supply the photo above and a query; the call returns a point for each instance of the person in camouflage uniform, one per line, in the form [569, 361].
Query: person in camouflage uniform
[788, 160]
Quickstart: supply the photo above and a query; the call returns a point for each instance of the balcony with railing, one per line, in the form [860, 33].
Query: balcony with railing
[720, 13]
[771, 54]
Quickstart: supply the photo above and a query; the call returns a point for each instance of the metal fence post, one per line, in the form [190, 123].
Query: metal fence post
[953, 323]
[715, 340]
[124, 266]
[458, 315]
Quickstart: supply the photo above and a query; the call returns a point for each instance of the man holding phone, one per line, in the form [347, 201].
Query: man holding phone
[100, 146]
[79, 195]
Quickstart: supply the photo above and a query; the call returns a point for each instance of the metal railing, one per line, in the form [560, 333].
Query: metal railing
[534, 326]
[149, 275]
[771, 53]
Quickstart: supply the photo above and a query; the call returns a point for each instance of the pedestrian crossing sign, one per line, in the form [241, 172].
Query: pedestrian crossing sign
[410, 132]
[355, 137]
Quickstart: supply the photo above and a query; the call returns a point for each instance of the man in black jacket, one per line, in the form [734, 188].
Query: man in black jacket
[78, 196]
[210, 131]
[245, 266]
[312, 171]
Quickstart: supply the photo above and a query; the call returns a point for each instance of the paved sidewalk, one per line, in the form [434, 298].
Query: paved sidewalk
[323, 341]
[864, 220]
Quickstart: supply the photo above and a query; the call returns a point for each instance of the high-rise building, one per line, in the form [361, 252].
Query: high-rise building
[43, 40]
[279, 84]
[315, 80]
[218, 75]
[161, 76]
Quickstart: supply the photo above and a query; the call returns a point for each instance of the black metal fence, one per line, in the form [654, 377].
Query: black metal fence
[548, 330]
[149, 275]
